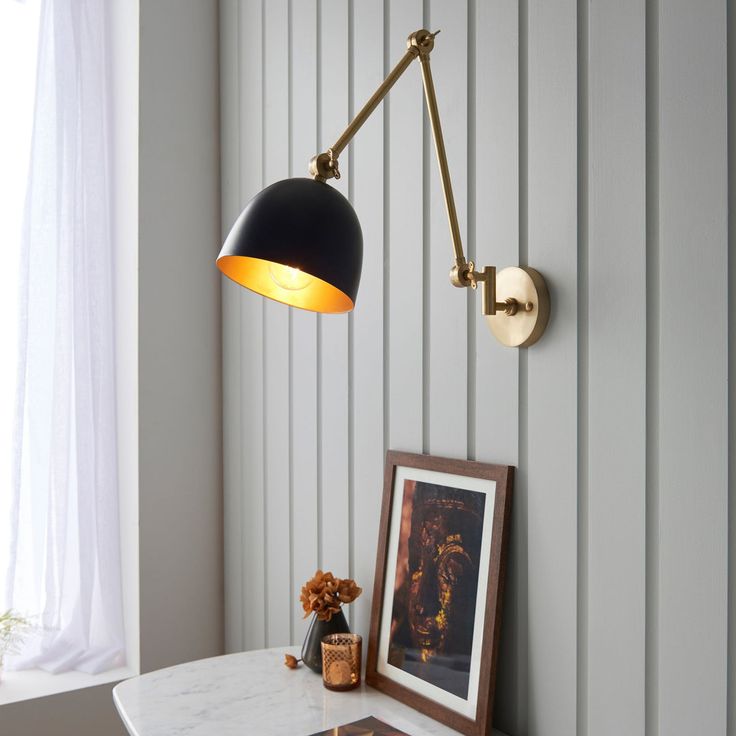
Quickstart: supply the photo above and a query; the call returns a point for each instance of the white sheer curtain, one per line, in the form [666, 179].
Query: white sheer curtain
[64, 558]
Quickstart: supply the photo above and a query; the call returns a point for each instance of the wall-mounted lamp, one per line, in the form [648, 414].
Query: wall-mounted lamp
[299, 240]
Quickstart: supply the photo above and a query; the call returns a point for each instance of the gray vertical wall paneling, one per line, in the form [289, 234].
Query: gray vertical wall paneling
[583, 355]
[367, 173]
[495, 228]
[303, 39]
[251, 326]
[279, 597]
[652, 306]
[231, 431]
[520, 513]
[552, 367]
[688, 686]
[334, 373]
[493, 239]
[693, 500]
[447, 310]
[496, 223]
[616, 244]
[406, 280]
[731, 693]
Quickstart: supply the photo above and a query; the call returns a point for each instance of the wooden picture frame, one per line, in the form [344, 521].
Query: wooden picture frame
[438, 588]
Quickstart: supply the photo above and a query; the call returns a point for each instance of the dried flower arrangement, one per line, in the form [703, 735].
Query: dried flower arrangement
[324, 594]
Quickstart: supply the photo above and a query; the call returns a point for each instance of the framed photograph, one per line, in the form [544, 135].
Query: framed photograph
[436, 616]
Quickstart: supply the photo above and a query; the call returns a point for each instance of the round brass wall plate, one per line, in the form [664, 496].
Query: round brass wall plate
[523, 328]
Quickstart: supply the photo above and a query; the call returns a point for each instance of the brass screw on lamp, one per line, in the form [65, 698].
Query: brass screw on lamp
[299, 240]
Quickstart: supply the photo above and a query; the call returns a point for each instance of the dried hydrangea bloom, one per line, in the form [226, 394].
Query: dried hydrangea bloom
[324, 594]
[348, 590]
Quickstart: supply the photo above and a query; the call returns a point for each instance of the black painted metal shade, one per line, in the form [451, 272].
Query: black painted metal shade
[299, 242]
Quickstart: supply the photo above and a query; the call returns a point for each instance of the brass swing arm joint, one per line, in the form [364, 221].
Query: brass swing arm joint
[463, 274]
[324, 166]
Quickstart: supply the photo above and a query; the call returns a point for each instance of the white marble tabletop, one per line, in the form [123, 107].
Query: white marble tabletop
[253, 693]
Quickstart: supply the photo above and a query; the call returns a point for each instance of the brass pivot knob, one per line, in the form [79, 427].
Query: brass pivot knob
[522, 307]
[511, 306]
[421, 42]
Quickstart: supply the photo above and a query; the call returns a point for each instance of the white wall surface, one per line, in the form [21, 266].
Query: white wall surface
[168, 233]
[591, 141]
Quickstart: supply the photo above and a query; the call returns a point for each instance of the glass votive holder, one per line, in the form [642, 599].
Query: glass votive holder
[341, 655]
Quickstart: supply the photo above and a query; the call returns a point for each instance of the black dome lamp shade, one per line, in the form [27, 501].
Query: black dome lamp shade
[299, 242]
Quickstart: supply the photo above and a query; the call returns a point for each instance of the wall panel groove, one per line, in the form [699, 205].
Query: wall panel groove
[651, 687]
[294, 556]
[386, 272]
[584, 115]
[425, 251]
[351, 319]
[731, 113]
[518, 571]
[318, 317]
[470, 241]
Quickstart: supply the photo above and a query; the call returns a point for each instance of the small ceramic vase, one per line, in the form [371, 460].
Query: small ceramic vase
[312, 647]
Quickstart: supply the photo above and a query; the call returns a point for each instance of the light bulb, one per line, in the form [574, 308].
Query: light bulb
[289, 278]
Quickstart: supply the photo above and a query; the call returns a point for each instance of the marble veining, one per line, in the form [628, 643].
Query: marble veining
[253, 693]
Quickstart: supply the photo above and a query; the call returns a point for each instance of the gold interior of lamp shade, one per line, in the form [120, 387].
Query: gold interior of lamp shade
[285, 284]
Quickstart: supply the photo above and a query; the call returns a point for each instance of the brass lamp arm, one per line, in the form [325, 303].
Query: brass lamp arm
[324, 166]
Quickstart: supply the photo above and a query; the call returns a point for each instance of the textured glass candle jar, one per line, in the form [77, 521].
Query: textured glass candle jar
[341, 655]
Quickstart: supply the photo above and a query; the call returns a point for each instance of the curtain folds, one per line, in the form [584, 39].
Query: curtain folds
[65, 549]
